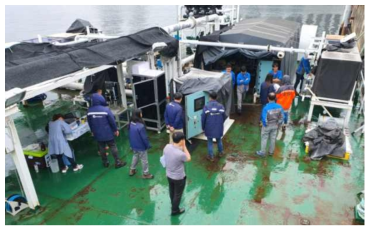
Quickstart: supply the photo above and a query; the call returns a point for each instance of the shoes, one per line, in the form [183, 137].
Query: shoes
[239, 112]
[220, 154]
[65, 169]
[132, 172]
[260, 153]
[178, 213]
[78, 167]
[120, 165]
[271, 154]
[148, 176]
[106, 165]
[211, 159]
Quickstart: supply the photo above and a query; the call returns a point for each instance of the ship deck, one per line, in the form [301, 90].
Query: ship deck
[239, 188]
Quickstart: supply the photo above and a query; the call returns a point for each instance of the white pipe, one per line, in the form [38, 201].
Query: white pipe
[70, 43]
[74, 85]
[40, 40]
[237, 13]
[190, 23]
[245, 46]
[95, 36]
[188, 59]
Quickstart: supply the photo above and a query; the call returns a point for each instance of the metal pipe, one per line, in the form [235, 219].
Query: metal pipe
[307, 88]
[188, 59]
[70, 43]
[96, 36]
[238, 13]
[74, 85]
[244, 46]
[190, 23]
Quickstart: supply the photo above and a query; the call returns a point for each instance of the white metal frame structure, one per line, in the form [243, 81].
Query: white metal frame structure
[334, 103]
[15, 150]
[15, 147]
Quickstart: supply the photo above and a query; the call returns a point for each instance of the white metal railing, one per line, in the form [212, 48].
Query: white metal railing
[244, 46]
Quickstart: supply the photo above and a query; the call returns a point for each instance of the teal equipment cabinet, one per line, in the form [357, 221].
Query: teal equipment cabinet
[194, 104]
[263, 68]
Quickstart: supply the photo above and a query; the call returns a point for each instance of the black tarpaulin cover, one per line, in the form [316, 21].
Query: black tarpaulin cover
[27, 64]
[97, 81]
[80, 26]
[267, 31]
[199, 80]
[326, 139]
[336, 74]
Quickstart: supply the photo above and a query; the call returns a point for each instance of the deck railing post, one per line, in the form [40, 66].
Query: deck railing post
[21, 165]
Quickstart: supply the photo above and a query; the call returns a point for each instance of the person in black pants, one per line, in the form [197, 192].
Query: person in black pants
[104, 129]
[175, 155]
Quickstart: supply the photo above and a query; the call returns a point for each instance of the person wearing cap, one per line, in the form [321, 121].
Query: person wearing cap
[277, 74]
[242, 86]
[229, 70]
[304, 67]
[212, 121]
[272, 118]
[175, 155]
[285, 95]
[139, 143]
[174, 116]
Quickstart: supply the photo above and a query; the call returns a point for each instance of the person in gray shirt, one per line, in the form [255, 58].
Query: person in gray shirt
[176, 155]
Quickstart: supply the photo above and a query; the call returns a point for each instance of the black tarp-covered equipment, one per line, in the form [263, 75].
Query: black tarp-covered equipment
[326, 139]
[27, 64]
[269, 31]
[199, 80]
[336, 73]
[80, 26]
[97, 81]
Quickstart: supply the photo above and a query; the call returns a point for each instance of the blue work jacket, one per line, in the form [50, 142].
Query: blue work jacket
[138, 137]
[212, 119]
[101, 120]
[272, 114]
[174, 115]
[243, 79]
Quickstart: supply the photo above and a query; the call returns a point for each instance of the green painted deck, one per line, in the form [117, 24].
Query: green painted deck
[238, 189]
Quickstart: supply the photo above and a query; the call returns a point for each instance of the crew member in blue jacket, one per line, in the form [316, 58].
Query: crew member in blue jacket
[103, 127]
[272, 118]
[139, 143]
[212, 119]
[304, 67]
[242, 81]
[174, 116]
[229, 70]
[277, 74]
